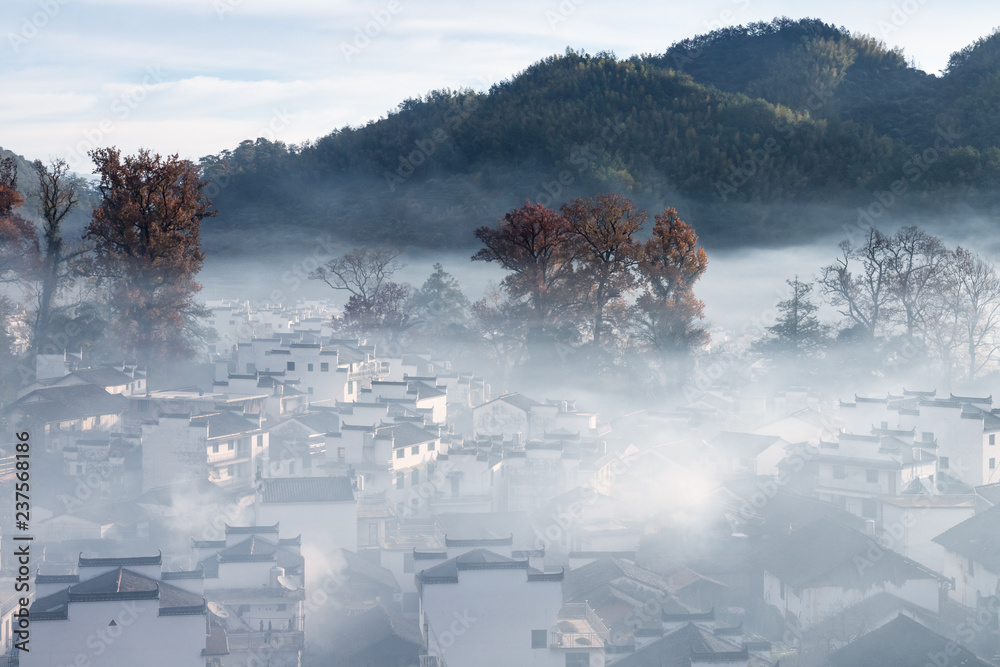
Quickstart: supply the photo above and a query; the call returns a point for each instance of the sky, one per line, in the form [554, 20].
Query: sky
[195, 77]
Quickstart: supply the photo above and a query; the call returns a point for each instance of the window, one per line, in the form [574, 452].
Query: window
[414, 477]
[324, 367]
[431, 446]
[230, 446]
[539, 638]
[260, 440]
[993, 438]
[309, 390]
[280, 607]
[928, 436]
[399, 480]
[373, 534]
[341, 454]
[415, 449]
[781, 590]
[839, 472]
[400, 453]
[408, 561]
[868, 509]
[454, 485]
[232, 321]
[885, 425]
[871, 476]
[993, 464]
[577, 660]
[309, 367]
[291, 467]
[215, 448]
[943, 463]
[290, 366]
[972, 568]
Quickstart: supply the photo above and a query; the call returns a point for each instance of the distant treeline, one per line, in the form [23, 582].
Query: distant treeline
[744, 127]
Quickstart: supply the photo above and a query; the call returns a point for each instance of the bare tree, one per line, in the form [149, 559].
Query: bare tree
[362, 272]
[916, 264]
[978, 308]
[859, 282]
[57, 195]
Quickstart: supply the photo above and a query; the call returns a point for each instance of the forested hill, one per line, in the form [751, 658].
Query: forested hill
[754, 128]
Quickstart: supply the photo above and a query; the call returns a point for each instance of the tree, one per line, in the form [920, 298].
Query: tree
[57, 196]
[146, 235]
[859, 282]
[362, 272]
[797, 332]
[18, 239]
[978, 308]
[666, 314]
[382, 316]
[916, 265]
[440, 308]
[534, 244]
[377, 305]
[603, 228]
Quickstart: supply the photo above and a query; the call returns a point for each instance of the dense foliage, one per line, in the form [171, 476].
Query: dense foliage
[747, 125]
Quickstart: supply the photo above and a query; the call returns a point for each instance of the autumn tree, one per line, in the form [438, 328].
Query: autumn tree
[603, 229]
[146, 235]
[666, 315]
[534, 244]
[18, 239]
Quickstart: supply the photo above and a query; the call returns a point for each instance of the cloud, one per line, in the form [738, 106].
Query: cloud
[245, 60]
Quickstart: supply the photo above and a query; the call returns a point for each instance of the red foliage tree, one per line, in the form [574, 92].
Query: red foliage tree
[667, 314]
[146, 235]
[18, 239]
[534, 244]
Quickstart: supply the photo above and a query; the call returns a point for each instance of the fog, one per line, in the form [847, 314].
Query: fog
[652, 499]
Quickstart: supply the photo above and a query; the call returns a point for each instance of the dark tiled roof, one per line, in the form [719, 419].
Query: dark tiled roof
[675, 649]
[73, 402]
[119, 584]
[320, 422]
[978, 538]
[519, 401]
[903, 643]
[826, 553]
[307, 490]
[478, 559]
[134, 561]
[603, 571]
[225, 423]
[103, 377]
[404, 434]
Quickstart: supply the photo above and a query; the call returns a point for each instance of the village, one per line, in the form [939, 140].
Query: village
[324, 502]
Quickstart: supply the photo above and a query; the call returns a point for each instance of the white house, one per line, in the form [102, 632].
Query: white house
[824, 568]
[484, 604]
[972, 558]
[117, 612]
[320, 509]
